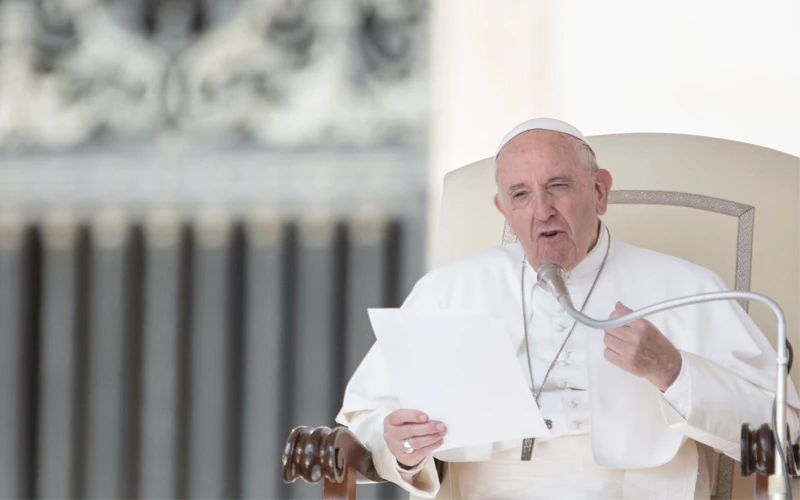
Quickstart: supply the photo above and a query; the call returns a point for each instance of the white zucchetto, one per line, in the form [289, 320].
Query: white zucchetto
[542, 124]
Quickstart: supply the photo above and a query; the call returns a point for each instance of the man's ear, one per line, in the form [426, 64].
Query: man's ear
[498, 204]
[602, 186]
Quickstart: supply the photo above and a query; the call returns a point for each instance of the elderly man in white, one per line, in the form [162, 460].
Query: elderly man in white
[625, 406]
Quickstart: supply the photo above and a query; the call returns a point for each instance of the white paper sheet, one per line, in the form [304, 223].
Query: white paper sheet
[459, 367]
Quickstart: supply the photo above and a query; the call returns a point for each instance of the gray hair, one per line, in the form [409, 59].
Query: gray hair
[585, 155]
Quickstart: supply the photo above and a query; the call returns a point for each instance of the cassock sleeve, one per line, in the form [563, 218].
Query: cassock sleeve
[678, 395]
[368, 427]
[716, 402]
[728, 373]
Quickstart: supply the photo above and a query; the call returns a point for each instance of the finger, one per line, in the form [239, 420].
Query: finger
[403, 416]
[612, 357]
[620, 310]
[621, 333]
[419, 455]
[395, 435]
[613, 343]
[421, 442]
[427, 450]
[626, 333]
[407, 431]
[415, 430]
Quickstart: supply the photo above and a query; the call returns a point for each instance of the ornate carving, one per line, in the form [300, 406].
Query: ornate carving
[285, 74]
[319, 453]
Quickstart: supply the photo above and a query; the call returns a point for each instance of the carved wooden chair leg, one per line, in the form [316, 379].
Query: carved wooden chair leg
[758, 457]
[760, 490]
[346, 490]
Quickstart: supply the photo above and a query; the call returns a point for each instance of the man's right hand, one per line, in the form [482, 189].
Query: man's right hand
[412, 425]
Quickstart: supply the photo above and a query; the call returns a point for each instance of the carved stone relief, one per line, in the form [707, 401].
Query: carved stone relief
[271, 73]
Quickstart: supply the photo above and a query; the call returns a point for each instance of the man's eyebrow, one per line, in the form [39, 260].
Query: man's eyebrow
[558, 178]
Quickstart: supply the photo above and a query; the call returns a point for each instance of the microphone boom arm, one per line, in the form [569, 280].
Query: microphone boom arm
[553, 281]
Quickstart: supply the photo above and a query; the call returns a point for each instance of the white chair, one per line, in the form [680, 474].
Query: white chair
[727, 206]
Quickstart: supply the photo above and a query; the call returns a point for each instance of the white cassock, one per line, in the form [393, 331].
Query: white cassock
[642, 441]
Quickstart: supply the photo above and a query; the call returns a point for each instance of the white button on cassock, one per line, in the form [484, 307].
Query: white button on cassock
[561, 328]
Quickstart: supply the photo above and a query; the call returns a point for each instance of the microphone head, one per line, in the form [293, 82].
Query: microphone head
[552, 278]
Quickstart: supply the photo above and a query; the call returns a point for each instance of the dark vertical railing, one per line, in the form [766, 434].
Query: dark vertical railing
[161, 360]
[133, 321]
[185, 325]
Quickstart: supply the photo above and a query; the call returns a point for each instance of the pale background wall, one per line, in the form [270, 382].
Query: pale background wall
[720, 69]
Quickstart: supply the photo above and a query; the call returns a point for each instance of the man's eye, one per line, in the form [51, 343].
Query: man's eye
[520, 194]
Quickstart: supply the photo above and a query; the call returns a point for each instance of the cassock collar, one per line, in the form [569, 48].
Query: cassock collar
[587, 268]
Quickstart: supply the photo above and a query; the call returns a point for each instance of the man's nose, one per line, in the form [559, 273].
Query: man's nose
[543, 207]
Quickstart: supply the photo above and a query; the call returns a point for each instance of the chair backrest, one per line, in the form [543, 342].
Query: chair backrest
[728, 206]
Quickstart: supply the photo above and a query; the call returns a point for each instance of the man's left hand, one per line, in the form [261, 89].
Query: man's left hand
[639, 348]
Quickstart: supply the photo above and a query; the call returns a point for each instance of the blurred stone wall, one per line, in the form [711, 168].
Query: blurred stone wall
[198, 201]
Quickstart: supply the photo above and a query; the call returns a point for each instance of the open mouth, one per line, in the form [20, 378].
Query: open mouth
[547, 235]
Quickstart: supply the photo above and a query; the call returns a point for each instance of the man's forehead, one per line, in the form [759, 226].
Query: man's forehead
[539, 152]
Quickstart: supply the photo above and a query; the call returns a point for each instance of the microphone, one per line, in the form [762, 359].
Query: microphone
[552, 277]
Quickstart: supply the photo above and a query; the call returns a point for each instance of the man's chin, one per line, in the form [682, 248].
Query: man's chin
[562, 255]
[565, 262]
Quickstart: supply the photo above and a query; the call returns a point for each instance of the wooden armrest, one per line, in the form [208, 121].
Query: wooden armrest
[334, 455]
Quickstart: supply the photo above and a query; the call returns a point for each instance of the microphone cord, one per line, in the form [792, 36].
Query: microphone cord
[780, 450]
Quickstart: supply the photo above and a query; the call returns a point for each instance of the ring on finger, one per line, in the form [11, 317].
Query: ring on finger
[407, 447]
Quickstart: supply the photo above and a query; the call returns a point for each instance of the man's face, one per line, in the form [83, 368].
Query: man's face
[549, 198]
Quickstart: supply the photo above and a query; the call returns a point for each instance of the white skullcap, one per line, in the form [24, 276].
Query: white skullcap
[542, 124]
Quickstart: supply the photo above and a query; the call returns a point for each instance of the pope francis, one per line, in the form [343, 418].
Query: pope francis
[627, 406]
